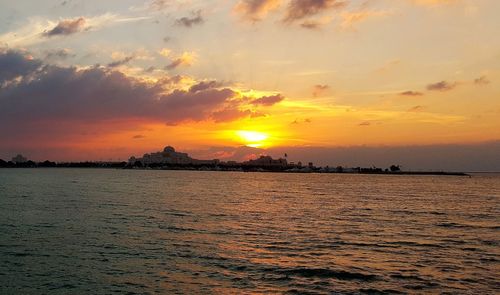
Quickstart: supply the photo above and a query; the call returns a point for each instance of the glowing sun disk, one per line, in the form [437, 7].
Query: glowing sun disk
[252, 138]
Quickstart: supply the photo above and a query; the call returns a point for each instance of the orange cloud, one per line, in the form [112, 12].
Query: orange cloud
[67, 27]
[256, 10]
[186, 59]
[300, 9]
[411, 93]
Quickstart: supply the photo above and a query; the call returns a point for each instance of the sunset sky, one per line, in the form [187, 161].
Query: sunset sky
[99, 80]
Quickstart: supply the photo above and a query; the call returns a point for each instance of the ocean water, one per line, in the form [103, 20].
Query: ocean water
[78, 231]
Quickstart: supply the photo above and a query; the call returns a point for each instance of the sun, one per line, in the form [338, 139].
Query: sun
[252, 138]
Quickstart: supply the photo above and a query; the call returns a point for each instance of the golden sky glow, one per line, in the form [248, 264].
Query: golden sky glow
[125, 77]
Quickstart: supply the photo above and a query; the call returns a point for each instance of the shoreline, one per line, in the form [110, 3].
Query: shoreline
[264, 170]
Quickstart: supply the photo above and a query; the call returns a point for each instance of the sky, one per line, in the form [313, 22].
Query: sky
[319, 79]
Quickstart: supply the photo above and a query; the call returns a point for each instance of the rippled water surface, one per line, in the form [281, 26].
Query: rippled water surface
[77, 231]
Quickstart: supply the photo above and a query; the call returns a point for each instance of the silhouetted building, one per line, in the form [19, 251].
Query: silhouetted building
[170, 156]
[267, 161]
[19, 159]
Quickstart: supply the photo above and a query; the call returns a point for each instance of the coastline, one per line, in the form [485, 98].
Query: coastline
[249, 169]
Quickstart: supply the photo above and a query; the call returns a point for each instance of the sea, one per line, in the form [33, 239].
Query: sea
[106, 231]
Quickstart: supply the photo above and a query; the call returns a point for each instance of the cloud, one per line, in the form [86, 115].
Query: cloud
[67, 27]
[268, 100]
[411, 93]
[256, 10]
[311, 25]
[204, 85]
[441, 86]
[188, 22]
[14, 64]
[300, 9]
[121, 62]
[59, 54]
[320, 89]
[48, 93]
[316, 23]
[186, 59]
[230, 114]
[138, 136]
[37, 30]
[36, 98]
[483, 80]
[365, 123]
[121, 58]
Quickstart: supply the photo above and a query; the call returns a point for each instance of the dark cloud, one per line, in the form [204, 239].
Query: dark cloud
[44, 93]
[311, 25]
[121, 62]
[188, 22]
[14, 64]
[483, 80]
[174, 64]
[411, 93]
[67, 27]
[268, 100]
[59, 54]
[300, 9]
[365, 123]
[204, 85]
[441, 86]
[138, 136]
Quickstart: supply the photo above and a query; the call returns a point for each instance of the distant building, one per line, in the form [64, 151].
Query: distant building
[267, 161]
[19, 159]
[170, 156]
